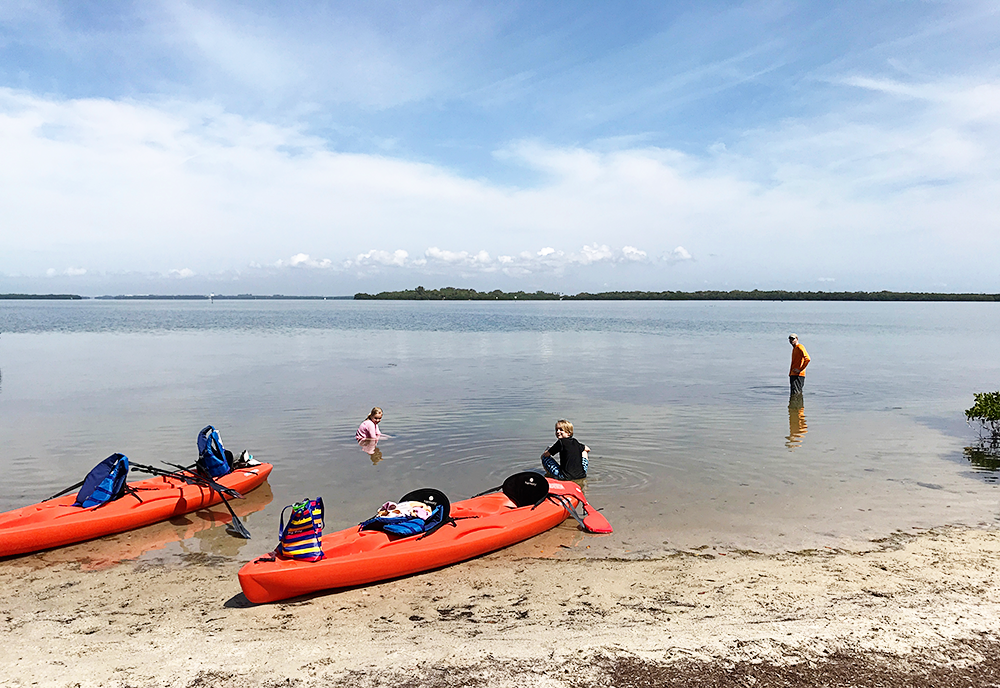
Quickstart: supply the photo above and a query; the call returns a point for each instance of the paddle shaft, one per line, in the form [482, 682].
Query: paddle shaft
[236, 524]
[68, 489]
[187, 475]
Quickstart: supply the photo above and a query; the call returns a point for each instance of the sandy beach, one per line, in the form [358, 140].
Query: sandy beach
[914, 609]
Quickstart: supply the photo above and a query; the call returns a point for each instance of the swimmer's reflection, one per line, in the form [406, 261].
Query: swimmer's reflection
[796, 422]
[370, 447]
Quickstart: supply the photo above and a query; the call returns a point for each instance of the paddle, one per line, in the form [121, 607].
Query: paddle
[593, 521]
[235, 526]
[187, 475]
[68, 489]
[127, 489]
[206, 480]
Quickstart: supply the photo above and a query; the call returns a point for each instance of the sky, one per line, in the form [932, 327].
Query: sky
[326, 148]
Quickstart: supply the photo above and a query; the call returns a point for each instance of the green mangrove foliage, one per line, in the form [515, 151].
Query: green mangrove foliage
[986, 413]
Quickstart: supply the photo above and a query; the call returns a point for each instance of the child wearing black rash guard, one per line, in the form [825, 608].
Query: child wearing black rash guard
[573, 454]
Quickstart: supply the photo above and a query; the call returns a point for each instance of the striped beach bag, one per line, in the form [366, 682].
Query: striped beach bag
[300, 539]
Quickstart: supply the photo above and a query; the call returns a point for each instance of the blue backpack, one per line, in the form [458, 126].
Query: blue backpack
[212, 458]
[104, 483]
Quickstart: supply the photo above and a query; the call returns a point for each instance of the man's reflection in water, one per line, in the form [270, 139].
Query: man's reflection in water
[796, 422]
[370, 447]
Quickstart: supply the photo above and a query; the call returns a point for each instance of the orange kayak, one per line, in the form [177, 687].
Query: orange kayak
[104, 552]
[356, 557]
[57, 522]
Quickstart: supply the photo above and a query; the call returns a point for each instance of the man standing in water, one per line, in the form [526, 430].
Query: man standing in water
[800, 359]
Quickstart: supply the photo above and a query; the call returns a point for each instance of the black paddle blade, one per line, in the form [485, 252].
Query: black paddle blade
[237, 528]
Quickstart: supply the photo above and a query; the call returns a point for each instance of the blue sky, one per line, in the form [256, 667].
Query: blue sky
[328, 148]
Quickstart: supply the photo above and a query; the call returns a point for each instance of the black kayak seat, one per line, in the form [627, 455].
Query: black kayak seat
[526, 488]
[432, 498]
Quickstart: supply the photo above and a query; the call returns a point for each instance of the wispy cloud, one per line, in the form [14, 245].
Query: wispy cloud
[304, 260]
[68, 272]
[900, 184]
[546, 260]
[395, 258]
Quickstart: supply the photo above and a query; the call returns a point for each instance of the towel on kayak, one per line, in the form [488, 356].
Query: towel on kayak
[410, 509]
[404, 518]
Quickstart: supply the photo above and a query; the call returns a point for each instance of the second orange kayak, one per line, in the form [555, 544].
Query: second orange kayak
[357, 557]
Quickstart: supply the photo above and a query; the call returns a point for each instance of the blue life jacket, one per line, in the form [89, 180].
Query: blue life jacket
[104, 483]
[211, 456]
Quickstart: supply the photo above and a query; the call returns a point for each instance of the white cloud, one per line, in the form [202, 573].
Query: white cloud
[68, 272]
[901, 184]
[633, 254]
[594, 254]
[303, 260]
[434, 253]
[481, 259]
[678, 254]
[395, 258]
[183, 273]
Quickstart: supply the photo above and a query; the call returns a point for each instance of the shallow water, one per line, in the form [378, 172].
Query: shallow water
[685, 406]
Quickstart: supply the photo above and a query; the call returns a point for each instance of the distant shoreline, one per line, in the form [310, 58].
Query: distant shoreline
[454, 294]
[41, 297]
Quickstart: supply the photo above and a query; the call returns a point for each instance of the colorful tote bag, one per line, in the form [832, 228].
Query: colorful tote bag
[301, 538]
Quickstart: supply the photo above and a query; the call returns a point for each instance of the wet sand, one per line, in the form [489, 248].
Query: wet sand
[915, 609]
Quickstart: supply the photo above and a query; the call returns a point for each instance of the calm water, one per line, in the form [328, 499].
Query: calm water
[685, 406]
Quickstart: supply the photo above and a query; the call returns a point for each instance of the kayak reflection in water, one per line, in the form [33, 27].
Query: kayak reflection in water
[796, 422]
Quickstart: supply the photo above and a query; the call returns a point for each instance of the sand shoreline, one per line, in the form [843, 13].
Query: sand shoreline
[918, 601]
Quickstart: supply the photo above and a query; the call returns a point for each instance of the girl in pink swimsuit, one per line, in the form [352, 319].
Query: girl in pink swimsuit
[368, 430]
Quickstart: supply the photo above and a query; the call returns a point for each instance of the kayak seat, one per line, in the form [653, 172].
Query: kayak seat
[432, 498]
[526, 488]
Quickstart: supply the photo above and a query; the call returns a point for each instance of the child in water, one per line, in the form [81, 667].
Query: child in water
[572, 454]
[368, 430]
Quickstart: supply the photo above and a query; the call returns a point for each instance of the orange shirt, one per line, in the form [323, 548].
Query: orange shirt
[800, 359]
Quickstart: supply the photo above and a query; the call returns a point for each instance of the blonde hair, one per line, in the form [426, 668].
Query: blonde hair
[565, 426]
[375, 411]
